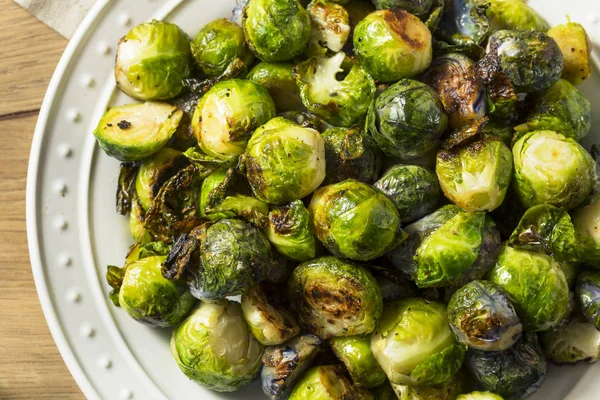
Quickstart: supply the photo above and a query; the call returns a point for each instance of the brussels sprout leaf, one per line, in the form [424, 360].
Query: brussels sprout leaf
[440, 367]
[126, 187]
[114, 277]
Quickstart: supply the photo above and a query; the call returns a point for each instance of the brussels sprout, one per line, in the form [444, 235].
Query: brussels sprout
[448, 391]
[483, 318]
[413, 189]
[355, 353]
[516, 373]
[341, 102]
[513, 14]
[279, 81]
[228, 113]
[562, 108]
[284, 161]
[289, 231]
[464, 25]
[552, 169]
[350, 153]
[137, 217]
[353, 220]
[211, 183]
[126, 187]
[152, 61]
[407, 120]
[136, 131]
[479, 396]
[588, 295]
[327, 383]
[392, 44]
[332, 297]
[215, 348]
[414, 344]
[330, 27]
[284, 364]
[276, 30]
[532, 60]
[576, 47]
[587, 230]
[577, 341]
[536, 285]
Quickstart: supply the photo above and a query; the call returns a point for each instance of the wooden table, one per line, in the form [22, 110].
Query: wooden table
[30, 366]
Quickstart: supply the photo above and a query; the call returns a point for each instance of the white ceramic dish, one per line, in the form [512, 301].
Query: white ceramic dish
[74, 231]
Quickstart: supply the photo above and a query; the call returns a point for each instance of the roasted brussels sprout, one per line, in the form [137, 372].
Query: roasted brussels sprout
[353, 220]
[355, 353]
[536, 285]
[284, 161]
[588, 295]
[279, 81]
[392, 44]
[332, 297]
[587, 230]
[516, 373]
[483, 318]
[330, 27]
[215, 348]
[413, 189]
[552, 169]
[576, 47]
[152, 61]
[276, 30]
[341, 102]
[577, 341]
[464, 26]
[513, 14]
[327, 383]
[137, 218]
[414, 344]
[290, 233]
[407, 120]
[227, 115]
[136, 131]
[479, 396]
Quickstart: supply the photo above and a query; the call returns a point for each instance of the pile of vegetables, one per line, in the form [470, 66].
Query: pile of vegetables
[395, 189]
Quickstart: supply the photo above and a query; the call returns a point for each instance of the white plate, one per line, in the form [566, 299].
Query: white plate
[74, 232]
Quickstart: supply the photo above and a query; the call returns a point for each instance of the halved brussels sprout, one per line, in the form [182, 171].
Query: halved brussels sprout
[330, 27]
[136, 131]
[587, 230]
[327, 383]
[576, 47]
[392, 44]
[332, 297]
[152, 61]
[289, 231]
[341, 102]
[413, 189]
[577, 341]
[276, 30]
[215, 348]
[353, 220]
[355, 353]
[552, 169]
[414, 344]
[227, 115]
[536, 285]
[479, 396]
[513, 14]
[284, 161]
[279, 81]
[588, 296]
[483, 318]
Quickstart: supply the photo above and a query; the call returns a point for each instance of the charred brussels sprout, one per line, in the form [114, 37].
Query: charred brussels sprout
[284, 161]
[513, 14]
[327, 383]
[215, 348]
[588, 295]
[279, 81]
[392, 44]
[153, 59]
[332, 297]
[407, 120]
[330, 27]
[355, 353]
[290, 233]
[479, 396]
[483, 318]
[576, 47]
[577, 341]
[413, 189]
[341, 102]
[536, 285]
[227, 115]
[552, 169]
[353, 220]
[276, 30]
[587, 230]
[414, 344]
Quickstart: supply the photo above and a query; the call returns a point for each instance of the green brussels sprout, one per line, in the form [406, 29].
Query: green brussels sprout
[330, 27]
[355, 353]
[413, 189]
[588, 295]
[513, 14]
[562, 108]
[341, 102]
[577, 341]
[384, 392]
[327, 383]
[137, 217]
[284, 161]
[414, 344]
[531, 60]
[350, 153]
[479, 396]
[289, 231]
[392, 45]
[215, 348]
[210, 183]
[587, 230]
[332, 297]
[448, 391]
[515, 373]
[276, 30]
[227, 115]
[552, 169]
[576, 47]
[152, 61]
[279, 81]
[464, 26]
[136, 131]
[536, 285]
[353, 220]
[407, 120]
[483, 318]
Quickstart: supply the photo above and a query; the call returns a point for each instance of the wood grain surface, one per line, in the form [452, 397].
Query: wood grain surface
[30, 366]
